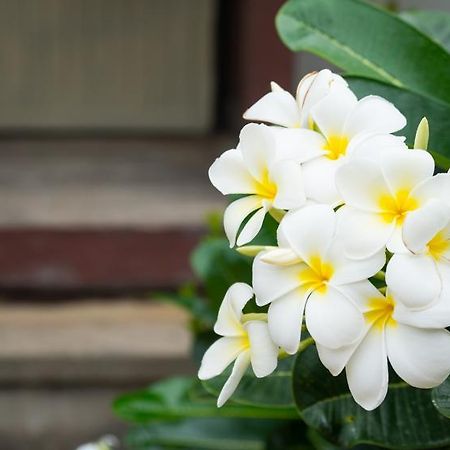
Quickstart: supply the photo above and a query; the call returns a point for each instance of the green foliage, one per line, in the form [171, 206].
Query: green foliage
[274, 391]
[183, 397]
[367, 41]
[406, 419]
[384, 54]
[435, 24]
[441, 398]
[207, 434]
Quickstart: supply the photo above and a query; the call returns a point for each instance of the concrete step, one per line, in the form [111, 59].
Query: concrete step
[121, 182]
[62, 365]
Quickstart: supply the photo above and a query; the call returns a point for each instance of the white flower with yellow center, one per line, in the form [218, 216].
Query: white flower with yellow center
[255, 168]
[417, 276]
[419, 355]
[343, 122]
[279, 107]
[380, 196]
[310, 274]
[246, 341]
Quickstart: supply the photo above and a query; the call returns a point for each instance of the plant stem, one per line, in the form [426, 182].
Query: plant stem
[254, 316]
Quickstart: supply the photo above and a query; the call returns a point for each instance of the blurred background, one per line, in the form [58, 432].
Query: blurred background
[111, 112]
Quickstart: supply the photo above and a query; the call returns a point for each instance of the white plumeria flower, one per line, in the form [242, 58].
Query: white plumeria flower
[310, 273]
[279, 107]
[343, 122]
[255, 168]
[420, 356]
[105, 443]
[245, 341]
[379, 197]
[417, 277]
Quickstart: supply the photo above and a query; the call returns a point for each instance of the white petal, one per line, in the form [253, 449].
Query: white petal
[310, 230]
[229, 175]
[335, 359]
[271, 282]
[278, 107]
[319, 175]
[285, 320]
[363, 233]
[298, 144]
[281, 257]
[239, 368]
[332, 319]
[413, 280]
[367, 371]
[219, 356]
[395, 243]
[420, 357]
[288, 177]
[371, 146]
[375, 115]
[404, 170]
[348, 270]
[331, 112]
[252, 227]
[435, 316]
[236, 213]
[437, 187]
[258, 147]
[361, 294]
[313, 88]
[230, 312]
[360, 182]
[263, 351]
[423, 224]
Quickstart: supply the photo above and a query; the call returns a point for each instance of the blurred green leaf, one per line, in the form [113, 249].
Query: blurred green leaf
[414, 107]
[179, 398]
[367, 41]
[218, 267]
[435, 24]
[441, 398]
[273, 391]
[405, 420]
[207, 434]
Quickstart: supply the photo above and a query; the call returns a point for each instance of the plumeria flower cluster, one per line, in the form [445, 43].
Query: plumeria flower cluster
[354, 205]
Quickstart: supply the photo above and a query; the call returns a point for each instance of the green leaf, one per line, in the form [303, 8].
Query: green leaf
[441, 398]
[414, 107]
[208, 434]
[179, 398]
[273, 391]
[218, 267]
[435, 24]
[405, 420]
[367, 41]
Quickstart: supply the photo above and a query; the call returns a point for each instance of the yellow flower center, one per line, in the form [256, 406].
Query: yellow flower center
[316, 276]
[265, 187]
[438, 245]
[396, 207]
[380, 313]
[336, 146]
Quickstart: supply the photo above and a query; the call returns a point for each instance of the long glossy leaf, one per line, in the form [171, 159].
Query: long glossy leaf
[414, 107]
[435, 24]
[406, 419]
[179, 398]
[367, 41]
[441, 398]
[274, 391]
[199, 434]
